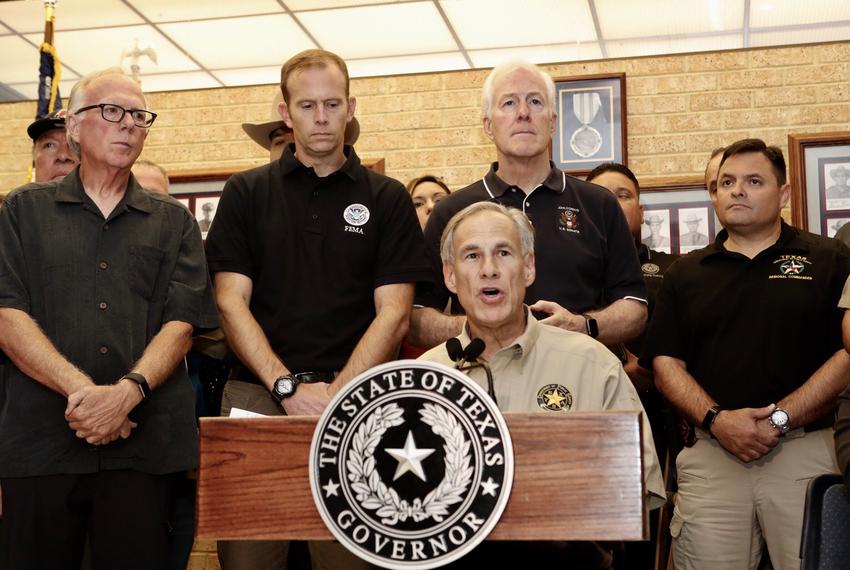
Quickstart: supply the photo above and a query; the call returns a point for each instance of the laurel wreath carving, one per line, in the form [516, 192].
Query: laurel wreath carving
[374, 495]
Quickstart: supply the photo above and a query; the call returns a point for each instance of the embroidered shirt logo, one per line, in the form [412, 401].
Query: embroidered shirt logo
[568, 220]
[791, 267]
[650, 268]
[554, 398]
[356, 214]
[411, 465]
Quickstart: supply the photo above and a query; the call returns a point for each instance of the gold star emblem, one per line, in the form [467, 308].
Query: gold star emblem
[553, 398]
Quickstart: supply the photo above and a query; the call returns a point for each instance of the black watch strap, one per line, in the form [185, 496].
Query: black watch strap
[709, 418]
[141, 381]
[591, 325]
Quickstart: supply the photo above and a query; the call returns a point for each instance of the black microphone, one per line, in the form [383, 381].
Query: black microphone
[455, 350]
[470, 356]
[473, 350]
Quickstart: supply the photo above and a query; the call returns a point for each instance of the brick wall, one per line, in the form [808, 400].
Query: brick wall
[679, 108]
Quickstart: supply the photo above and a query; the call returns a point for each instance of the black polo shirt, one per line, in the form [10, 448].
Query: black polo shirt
[584, 252]
[100, 289]
[752, 331]
[316, 249]
[653, 266]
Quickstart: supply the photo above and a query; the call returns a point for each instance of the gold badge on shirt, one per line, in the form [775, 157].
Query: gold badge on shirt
[554, 398]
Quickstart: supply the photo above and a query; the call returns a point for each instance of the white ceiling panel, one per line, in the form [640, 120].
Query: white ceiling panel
[296, 5]
[26, 16]
[483, 24]
[805, 36]
[637, 48]
[177, 81]
[376, 31]
[169, 10]
[406, 64]
[20, 60]
[237, 42]
[249, 76]
[76, 49]
[786, 13]
[537, 54]
[618, 19]
[30, 90]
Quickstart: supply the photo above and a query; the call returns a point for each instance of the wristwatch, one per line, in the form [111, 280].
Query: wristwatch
[141, 381]
[709, 418]
[780, 420]
[591, 325]
[284, 387]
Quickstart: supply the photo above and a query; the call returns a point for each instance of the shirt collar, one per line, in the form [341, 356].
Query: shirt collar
[289, 163]
[520, 346]
[789, 238]
[495, 186]
[70, 189]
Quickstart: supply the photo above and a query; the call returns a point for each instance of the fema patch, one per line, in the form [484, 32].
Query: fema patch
[568, 220]
[356, 214]
[554, 398]
[650, 268]
[411, 465]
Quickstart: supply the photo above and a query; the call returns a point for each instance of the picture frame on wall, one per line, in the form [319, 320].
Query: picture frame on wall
[591, 123]
[677, 217]
[819, 174]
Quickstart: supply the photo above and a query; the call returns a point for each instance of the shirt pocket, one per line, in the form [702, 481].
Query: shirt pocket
[144, 266]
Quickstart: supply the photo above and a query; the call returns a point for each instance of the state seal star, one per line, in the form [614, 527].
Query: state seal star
[331, 488]
[489, 487]
[554, 399]
[409, 458]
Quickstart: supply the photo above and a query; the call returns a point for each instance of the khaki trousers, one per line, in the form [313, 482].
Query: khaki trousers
[272, 554]
[726, 510]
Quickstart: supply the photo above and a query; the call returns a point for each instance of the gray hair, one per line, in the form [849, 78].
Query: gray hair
[520, 220]
[77, 99]
[508, 67]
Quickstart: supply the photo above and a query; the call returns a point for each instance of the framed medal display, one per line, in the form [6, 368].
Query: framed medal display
[591, 125]
[819, 174]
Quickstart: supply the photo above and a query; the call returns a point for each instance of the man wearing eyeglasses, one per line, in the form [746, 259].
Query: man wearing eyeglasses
[101, 286]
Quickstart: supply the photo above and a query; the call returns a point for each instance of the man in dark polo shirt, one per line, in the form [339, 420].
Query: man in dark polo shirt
[588, 276]
[101, 285]
[314, 259]
[745, 342]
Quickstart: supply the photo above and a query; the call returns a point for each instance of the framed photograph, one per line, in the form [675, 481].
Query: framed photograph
[819, 174]
[677, 217]
[591, 125]
[205, 209]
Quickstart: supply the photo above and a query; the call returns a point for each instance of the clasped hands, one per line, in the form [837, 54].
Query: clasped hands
[99, 414]
[746, 433]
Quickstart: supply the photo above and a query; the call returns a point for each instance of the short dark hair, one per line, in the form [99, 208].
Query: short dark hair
[771, 153]
[411, 186]
[614, 167]
[311, 58]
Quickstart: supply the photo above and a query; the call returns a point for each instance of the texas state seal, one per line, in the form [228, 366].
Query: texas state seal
[411, 465]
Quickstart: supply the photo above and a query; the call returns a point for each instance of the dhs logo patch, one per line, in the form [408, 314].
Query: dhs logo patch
[411, 465]
[356, 214]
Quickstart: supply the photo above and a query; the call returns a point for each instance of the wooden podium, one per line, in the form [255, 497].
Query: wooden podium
[578, 476]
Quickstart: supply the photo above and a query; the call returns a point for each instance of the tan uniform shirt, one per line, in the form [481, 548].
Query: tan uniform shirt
[545, 355]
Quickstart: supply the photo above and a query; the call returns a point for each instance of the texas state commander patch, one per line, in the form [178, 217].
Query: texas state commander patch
[411, 465]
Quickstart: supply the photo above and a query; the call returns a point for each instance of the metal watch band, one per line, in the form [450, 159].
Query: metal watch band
[141, 381]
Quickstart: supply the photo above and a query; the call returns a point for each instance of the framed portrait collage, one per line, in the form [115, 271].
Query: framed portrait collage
[678, 218]
[819, 167]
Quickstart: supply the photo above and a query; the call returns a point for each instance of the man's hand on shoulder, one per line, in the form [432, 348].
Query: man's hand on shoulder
[308, 400]
[98, 414]
[746, 433]
[560, 317]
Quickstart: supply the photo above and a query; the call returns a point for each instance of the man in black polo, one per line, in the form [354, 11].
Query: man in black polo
[745, 342]
[588, 276]
[314, 258]
[102, 284]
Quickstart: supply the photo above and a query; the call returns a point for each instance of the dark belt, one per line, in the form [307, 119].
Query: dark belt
[242, 374]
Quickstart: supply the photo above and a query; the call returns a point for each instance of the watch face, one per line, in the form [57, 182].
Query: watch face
[284, 386]
[779, 418]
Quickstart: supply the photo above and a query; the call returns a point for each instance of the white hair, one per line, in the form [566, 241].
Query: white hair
[508, 67]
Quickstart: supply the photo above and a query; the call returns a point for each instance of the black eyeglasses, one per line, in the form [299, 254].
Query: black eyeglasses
[115, 114]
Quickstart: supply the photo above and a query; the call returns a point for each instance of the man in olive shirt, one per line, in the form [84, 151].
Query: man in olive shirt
[101, 286]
